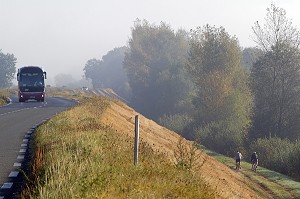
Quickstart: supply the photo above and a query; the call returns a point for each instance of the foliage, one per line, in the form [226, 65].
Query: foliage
[63, 80]
[7, 68]
[276, 78]
[176, 122]
[277, 29]
[155, 68]
[223, 100]
[3, 97]
[109, 72]
[250, 56]
[187, 156]
[278, 154]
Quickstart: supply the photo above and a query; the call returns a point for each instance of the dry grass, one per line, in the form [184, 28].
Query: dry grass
[3, 97]
[77, 156]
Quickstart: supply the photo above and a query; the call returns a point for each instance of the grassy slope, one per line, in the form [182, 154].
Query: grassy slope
[279, 185]
[77, 157]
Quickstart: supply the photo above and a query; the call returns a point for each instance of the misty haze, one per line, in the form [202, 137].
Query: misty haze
[216, 85]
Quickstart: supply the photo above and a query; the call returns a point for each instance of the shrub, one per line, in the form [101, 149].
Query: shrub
[176, 122]
[278, 154]
[220, 137]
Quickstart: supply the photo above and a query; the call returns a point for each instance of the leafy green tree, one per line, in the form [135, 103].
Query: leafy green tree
[223, 100]
[7, 68]
[276, 77]
[155, 68]
[109, 72]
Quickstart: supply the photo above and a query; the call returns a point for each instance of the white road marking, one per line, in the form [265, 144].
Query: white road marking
[22, 151]
[14, 111]
[17, 164]
[7, 185]
[13, 174]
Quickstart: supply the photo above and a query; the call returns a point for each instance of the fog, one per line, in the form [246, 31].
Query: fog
[61, 36]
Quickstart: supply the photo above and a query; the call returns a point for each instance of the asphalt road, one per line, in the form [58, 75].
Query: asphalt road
[16, 123]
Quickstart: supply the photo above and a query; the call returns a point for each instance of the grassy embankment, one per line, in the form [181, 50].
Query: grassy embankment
[3, 97]
[280, 186]
[76, 156]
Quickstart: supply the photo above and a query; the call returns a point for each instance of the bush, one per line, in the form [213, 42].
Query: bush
[3, 98]
[221, 137]
[176, 122]
[278, 154]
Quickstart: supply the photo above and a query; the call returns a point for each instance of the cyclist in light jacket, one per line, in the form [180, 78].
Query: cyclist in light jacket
[238, 157]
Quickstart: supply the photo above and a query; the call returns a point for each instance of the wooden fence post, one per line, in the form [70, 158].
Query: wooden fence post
[136, 141]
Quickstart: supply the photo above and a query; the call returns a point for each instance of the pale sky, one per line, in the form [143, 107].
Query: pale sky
[62, 35]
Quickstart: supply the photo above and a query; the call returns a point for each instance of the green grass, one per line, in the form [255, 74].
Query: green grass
[279, 185]
[75, 156]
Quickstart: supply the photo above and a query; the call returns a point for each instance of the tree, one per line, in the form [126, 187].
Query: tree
[277, 29]
[223, 100]
[109, 72]
[7, 68]
[250, 56]
[63, 80]
[155, 68]
[276, 78]
[91, 71]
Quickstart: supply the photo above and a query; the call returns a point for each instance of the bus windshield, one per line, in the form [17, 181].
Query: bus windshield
[32, 79]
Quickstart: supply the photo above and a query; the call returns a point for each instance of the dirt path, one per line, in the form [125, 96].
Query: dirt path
[226, 182]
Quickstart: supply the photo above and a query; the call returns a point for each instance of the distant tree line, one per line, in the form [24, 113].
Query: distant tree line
[7, 69]
[109, 73]
[203, 85]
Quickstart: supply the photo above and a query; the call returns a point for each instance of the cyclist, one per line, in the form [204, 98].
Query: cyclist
[238, 157]
[254, 161]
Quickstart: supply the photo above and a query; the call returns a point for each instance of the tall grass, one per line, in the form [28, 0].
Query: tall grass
[78, 157]
[3, 97]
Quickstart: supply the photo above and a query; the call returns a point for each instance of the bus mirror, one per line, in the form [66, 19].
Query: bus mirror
[45, 75]
[18, 76]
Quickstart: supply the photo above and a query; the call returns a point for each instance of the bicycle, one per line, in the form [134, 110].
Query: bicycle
[254, 165]
[238, 165]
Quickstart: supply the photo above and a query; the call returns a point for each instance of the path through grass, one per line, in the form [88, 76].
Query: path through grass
[279, 185]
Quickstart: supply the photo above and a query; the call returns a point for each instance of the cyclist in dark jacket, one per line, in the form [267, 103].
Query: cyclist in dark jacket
[254, 161]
